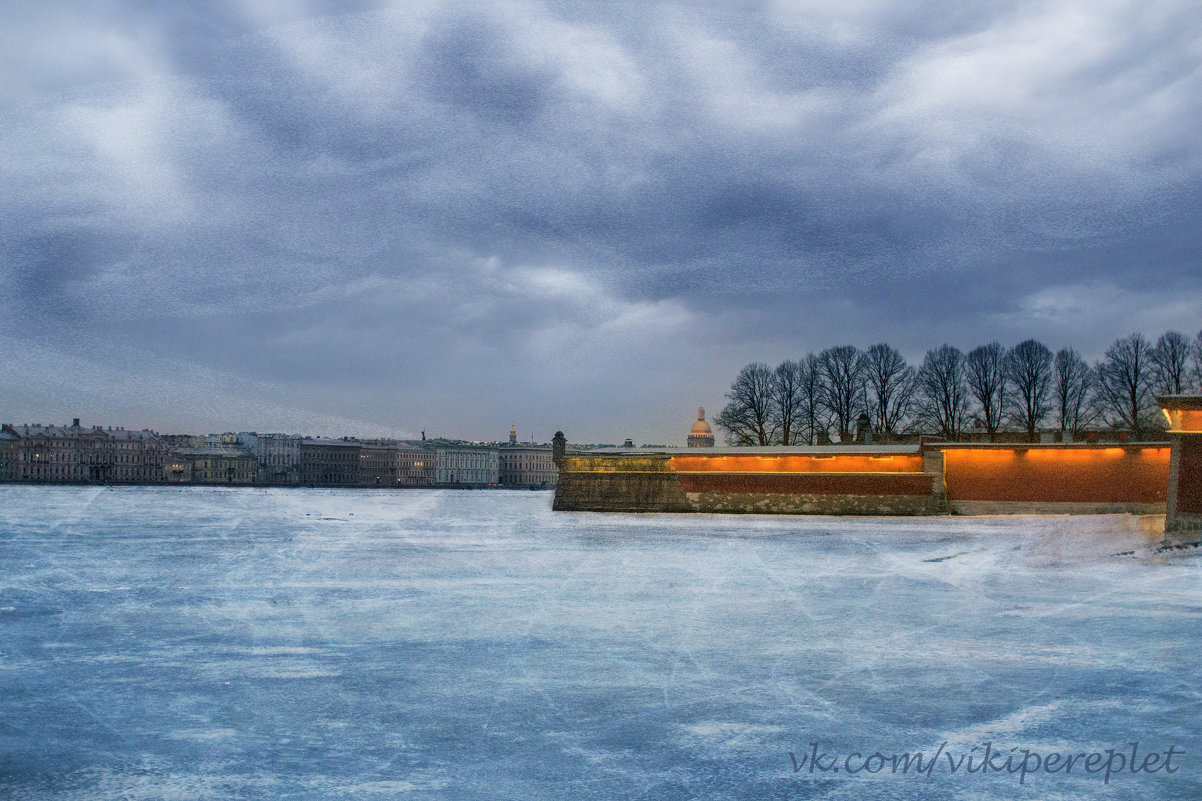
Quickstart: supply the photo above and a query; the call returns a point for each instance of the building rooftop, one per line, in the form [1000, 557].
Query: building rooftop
[25, 430]
[213, 450]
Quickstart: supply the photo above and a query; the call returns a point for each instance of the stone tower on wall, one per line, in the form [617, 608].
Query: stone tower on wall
[700, 435]
[1184, 503]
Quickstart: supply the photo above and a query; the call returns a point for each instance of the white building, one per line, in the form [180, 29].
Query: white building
[467, 465]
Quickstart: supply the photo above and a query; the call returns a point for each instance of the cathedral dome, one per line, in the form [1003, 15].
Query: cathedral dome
[700, 435]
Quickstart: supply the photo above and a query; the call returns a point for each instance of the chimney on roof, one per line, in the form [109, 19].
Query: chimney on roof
[75, 423]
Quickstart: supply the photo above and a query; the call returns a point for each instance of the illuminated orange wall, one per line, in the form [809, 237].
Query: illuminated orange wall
[1089, 475]
[838, 463]
[1186, 419]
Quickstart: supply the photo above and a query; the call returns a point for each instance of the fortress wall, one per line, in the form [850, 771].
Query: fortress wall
[1051, 508]
[962, 479]
[619, 492]
[1189, 476]
[800, 463]
[1184, 506]
[1185, 485]
[888, 485]
[1069, 479]
[816, 503]
[618, 484]
[809, 483]
[813, 493]
[621, 463]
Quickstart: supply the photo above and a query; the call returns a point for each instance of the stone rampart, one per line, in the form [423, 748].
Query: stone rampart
[1184, 504]
[933, 479]
[618, 484]
[815, 503]
[865, 482]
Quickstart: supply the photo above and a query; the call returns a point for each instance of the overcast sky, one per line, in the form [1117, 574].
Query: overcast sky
[377, 218]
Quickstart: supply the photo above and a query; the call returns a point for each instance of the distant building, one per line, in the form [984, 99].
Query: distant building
[700, 435]
[184, 440]
[378, 463]
[211, 464]
[74, 454]
[136, 457]
[330, 462]
[467, 465]
[525, 464]
[416, 466]
[9, 448]
[177, 468]
[278, 456]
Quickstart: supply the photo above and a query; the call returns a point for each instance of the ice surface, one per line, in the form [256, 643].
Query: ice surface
[167, 643]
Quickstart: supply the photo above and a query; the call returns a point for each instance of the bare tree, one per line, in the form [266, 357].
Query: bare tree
[1171, 356]
[1072, 382]
[748, 418]
[811, 412]
[942, 391]
[787, 398]
[987, 384]
[1198, 360]
[1125, 378]
[842, 384]
[1028, 369]
[890, 384]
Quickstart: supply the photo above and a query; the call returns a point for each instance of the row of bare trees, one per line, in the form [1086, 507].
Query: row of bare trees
[988, 390]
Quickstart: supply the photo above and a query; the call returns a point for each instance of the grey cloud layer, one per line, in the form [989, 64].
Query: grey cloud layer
[453, 214]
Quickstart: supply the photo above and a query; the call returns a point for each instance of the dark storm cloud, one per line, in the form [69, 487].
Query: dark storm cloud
[585, 215]
[464, 62]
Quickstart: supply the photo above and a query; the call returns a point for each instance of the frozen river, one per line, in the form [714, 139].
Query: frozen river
[323, 644]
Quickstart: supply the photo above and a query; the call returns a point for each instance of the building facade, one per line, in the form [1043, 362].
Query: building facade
[526, 465]
[467, 465]
[177, 467]
[136, 457]
[278, 456]
[9, 445]
[212, 464]
[76, 455]
[416, 466]
[378, 463]
[329, 462]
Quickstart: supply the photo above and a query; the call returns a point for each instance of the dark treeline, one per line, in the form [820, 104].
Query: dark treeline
[990, 389]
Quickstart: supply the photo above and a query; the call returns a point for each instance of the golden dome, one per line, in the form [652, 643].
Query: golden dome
[701, 435]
